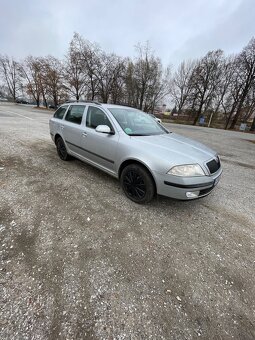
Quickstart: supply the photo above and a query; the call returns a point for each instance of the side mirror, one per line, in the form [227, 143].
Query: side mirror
[103, 129]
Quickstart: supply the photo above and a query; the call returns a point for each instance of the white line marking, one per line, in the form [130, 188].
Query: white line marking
[18, 114]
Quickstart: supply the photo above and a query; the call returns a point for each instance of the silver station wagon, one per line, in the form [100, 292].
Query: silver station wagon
[133, 147]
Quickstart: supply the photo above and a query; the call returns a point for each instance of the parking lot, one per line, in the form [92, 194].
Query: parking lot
[81, 261]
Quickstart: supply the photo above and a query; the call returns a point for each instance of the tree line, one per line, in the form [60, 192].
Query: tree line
[214, 85]
[88, 72]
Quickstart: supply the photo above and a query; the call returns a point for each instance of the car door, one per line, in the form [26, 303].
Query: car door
[72, 127]
[100, 148]
[57, 120]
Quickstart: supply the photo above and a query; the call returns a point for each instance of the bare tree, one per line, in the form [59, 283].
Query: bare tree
[158, 89]
[230, 101]
[42, 83]
[145, 69]
[246, 64]
[32, 75]
[131, 95]
[4, 91]
[226, 70]
[249, 105]
[10, 71]
[146, 81]
[204, 80]
[75, 75]
[181, 86]
[90, 55]
[109, 73]
[53, 79]
[118, 83]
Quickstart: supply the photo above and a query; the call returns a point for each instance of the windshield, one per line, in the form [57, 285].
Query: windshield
[137, 123]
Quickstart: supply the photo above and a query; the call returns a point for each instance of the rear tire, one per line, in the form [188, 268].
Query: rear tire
[61, 150]
[137, 183]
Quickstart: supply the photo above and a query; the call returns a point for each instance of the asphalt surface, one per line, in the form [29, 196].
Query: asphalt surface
[81, 261]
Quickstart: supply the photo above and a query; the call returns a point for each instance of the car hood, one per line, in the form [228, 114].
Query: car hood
[175, 148]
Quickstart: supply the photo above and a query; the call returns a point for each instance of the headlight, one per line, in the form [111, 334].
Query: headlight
[188, 170]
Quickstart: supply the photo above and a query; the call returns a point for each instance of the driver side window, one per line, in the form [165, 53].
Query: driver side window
[96, 117]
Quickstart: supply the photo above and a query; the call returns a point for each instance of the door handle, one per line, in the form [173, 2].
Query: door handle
[84, 134]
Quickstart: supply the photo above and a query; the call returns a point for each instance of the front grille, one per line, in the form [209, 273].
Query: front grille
[213, 165]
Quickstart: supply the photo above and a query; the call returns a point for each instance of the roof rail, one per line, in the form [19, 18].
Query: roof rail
[91, 101]
[82, 101]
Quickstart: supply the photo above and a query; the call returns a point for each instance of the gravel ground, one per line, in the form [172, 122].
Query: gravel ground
[81, 261]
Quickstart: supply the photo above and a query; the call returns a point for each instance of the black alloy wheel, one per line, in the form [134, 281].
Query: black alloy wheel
[137, 183]
[61, 149]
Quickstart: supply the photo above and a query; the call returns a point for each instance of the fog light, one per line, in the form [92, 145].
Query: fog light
[192, 194]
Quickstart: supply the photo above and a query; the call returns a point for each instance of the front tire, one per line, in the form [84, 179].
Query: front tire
[61, 150]
[137, 183]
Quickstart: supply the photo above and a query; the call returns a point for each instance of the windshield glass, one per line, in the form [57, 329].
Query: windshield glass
[137, 123]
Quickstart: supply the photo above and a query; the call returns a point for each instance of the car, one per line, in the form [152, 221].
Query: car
[131, 146]
[156, 118]
[52, 106]
[21, 101]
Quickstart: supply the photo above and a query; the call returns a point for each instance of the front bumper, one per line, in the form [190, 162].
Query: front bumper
[186, 188]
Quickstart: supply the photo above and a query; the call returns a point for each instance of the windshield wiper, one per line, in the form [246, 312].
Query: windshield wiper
[149, 134]
[136, 134]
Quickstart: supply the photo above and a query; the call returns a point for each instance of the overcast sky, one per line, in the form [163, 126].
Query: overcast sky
[176, 30]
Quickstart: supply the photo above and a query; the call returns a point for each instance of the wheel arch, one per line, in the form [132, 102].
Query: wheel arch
[135, 161]
[57, 136]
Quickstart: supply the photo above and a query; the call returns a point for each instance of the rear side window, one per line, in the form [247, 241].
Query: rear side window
[97, 117]
[75, 113]
[60, 112]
